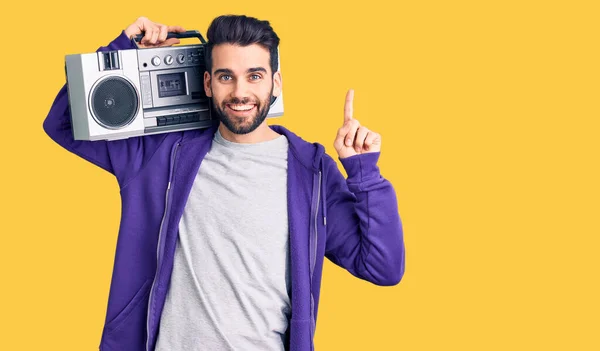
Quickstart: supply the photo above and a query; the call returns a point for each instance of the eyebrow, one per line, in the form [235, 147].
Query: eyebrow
[257, 69]
[250, 70]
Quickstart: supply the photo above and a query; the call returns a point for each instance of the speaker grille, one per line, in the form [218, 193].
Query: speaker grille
[114, 102]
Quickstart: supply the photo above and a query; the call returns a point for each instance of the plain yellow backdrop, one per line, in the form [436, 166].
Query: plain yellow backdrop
[489, 116]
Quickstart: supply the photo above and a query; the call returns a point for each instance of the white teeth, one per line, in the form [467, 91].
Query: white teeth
[241, 107]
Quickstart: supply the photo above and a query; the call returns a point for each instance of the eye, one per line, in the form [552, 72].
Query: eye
[255, 77]
[225, 77]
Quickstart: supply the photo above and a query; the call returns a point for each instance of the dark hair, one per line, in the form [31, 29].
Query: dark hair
[241, 30]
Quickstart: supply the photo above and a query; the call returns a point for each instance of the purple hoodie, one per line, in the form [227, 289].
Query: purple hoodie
[353, 222]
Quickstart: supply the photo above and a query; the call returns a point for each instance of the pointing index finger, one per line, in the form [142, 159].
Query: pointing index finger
[348, 109]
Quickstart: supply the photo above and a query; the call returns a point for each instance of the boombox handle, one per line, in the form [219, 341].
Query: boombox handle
[186, 34]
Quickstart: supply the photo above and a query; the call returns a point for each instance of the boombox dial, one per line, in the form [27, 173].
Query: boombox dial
[169, 60]
[181, 58]
[156, 60]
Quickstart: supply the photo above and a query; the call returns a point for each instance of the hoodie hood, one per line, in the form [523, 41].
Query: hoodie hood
[309, 154]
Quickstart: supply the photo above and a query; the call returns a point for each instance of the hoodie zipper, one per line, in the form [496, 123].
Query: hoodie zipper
[315, 234]
[316, 226]
[159, 248]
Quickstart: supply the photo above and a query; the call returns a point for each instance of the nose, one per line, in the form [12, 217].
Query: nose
[240, 90]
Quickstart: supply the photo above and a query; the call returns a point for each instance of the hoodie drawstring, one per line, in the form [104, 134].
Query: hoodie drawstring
[324, 191]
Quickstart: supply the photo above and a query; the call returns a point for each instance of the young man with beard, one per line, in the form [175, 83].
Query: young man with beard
[224, 230]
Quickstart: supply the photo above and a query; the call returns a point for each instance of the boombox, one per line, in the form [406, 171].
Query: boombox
[125, 93]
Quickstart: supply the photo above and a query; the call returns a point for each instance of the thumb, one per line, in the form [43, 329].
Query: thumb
[171, 41]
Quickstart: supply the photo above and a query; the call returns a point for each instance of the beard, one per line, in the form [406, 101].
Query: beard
[242, 125]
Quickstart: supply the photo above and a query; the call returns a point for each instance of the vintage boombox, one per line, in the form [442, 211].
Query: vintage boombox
[125, 93]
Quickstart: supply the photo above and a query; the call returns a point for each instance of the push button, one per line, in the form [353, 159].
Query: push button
[195, 117]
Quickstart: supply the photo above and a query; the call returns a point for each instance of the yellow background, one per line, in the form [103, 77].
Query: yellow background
[489, 117]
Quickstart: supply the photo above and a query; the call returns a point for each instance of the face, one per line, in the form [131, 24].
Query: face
[241, 85]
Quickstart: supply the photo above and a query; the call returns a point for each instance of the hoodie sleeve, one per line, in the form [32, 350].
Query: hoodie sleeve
[364, 231]
[119, 157]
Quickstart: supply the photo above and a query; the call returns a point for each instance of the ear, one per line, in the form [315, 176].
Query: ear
[277, 83]
[207, 89]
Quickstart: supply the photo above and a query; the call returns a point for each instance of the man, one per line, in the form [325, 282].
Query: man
[224, 230]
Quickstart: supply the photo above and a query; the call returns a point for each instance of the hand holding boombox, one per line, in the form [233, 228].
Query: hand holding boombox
[155, 34]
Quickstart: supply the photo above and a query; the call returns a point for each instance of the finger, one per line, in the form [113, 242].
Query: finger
[147, 35]
[369, 140]
[177, 29]
[348, 108]
[163, 31]
[354, 125]
[340, 138]
[145, 27]
[345, 129]
[155, 34]
[142, 25]
[170, 41]
[361, 134]
[372, 141]
[142, 21]
[338, 143]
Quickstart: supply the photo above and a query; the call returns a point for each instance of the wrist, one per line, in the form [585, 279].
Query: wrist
[361, 167]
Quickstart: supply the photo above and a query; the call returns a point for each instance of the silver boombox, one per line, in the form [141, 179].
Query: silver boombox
[125, 93]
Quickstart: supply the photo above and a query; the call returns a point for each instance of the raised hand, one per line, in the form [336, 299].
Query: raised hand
[352, 138]
[155, 33]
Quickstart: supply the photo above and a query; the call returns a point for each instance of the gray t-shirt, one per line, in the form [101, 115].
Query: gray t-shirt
[230, 287]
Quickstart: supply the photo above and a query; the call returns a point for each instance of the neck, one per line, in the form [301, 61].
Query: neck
[260, 134]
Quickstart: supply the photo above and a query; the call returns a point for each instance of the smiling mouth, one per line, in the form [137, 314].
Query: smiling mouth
[241, 109]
